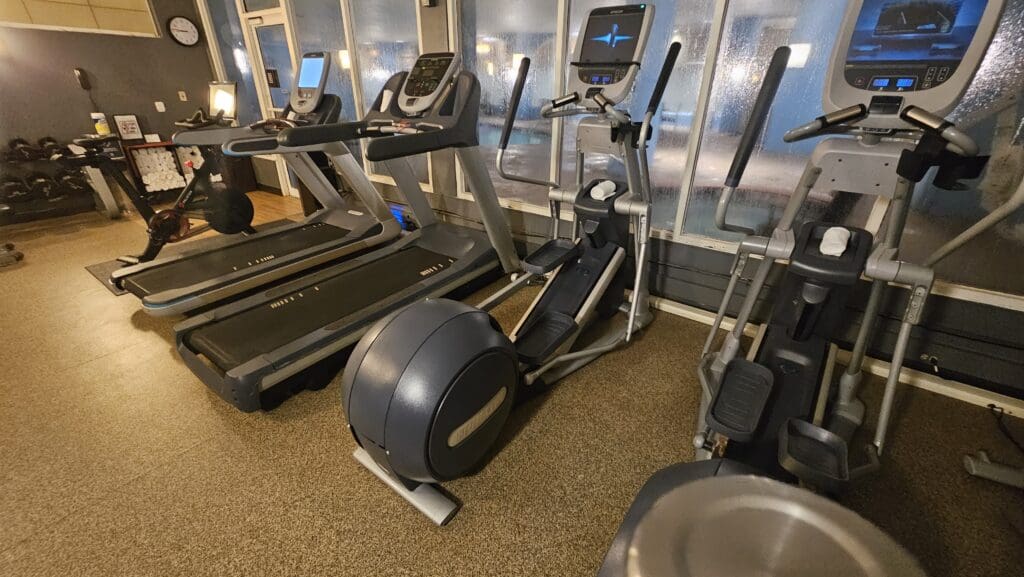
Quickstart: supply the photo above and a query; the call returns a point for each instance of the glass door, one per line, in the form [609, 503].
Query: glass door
[273, 61]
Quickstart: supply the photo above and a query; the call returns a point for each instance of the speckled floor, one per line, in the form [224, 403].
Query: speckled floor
[117, 461]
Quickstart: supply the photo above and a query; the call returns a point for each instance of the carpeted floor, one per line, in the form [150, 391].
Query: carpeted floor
[117, 461]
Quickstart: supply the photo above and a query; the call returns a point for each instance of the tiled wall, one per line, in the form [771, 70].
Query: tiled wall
[131, 16]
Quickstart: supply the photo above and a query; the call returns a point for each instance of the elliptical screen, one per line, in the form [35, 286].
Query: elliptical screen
[611, 36]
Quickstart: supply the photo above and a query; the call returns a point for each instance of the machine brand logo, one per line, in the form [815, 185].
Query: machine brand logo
[612, 38]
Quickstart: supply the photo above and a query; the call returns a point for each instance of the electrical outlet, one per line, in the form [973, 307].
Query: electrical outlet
[160, 106]
[182, 96]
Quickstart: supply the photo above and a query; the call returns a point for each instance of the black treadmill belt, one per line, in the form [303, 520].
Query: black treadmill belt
[222, 261]
[239, 338]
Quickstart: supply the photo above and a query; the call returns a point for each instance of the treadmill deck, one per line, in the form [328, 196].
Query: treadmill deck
[213, 264]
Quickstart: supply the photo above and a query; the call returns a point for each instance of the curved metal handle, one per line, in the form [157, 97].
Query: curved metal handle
[755, 125]
[960, 142]
[666, 72]
[513, 104]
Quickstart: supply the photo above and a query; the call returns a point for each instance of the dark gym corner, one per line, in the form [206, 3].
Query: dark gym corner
[41, 96]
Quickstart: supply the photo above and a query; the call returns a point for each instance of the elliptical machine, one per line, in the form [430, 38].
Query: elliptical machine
[429, 388]
[772, 408]
[767, 415]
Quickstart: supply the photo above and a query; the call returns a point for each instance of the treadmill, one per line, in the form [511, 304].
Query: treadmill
[247, 347]
[198, 278]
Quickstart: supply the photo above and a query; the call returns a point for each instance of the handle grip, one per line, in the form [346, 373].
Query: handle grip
[513, 105]
[944, 128]
[758, 117]
[320, 134]
[663, 77]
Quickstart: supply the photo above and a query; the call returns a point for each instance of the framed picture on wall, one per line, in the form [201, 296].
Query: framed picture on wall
[128, 127]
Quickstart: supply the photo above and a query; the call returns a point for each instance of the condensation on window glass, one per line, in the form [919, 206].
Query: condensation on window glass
[254, 5]
[496, 36]
[992, 112]
[753, 30]
[228, 32]
[320, 28]
[684, 21]
[386, 43]
[277, 62]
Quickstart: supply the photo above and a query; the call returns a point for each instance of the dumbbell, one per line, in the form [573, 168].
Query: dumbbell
[72, 182]
[49, 146]
[44, 186]
[14, 190]
[21, 149]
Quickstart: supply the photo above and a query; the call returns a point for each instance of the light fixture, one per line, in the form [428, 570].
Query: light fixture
[798, 55]
[222, 98]
[483, 48]
[517, 58]
[490, 68]
[346, 59]
[738, 73]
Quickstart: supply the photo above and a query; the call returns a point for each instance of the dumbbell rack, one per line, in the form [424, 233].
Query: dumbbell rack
[40, 208]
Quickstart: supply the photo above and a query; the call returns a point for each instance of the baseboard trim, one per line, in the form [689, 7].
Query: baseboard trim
[945, 387]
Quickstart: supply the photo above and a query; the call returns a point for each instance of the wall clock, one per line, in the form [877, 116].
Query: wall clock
[183, 31]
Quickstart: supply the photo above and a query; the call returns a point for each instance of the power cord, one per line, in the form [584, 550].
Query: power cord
[1000, 416]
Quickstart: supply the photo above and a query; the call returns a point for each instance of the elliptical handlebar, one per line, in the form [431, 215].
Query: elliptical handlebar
[959, 142]
[755, 125]
[510, 120]
[513, 103]
[666, 73]
[824, 122]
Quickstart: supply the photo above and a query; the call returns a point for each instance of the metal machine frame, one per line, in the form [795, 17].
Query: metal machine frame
[881, 148]
[604, 130]
[393, 136]
[368, 225]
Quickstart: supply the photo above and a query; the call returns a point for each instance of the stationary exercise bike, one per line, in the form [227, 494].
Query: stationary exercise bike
[217, 206]
[429, 388]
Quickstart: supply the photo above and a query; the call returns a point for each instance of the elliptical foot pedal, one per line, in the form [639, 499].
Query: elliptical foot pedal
[737, 408]
[536, 343]
[550, 256]
[819, 457]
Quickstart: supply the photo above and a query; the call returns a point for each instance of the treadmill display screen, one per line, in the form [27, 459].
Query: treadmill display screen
[612, 35]
[310, 72]
[909, 45]
[427, 75]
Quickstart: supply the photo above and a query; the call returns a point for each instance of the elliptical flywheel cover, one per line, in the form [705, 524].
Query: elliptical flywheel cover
[428, 389]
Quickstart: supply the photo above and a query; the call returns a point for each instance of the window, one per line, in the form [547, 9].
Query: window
[227, 30]
[496, 35]
[753, 30]
[386, 43]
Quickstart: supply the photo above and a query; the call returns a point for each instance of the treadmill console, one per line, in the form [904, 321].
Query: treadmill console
[608, 52]
[895, 53]
[431, 74]
[312, 79]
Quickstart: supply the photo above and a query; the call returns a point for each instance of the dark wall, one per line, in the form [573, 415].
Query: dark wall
[39, 95]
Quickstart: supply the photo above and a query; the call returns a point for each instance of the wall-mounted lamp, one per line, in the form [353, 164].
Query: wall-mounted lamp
[346, 59]
[222, 97]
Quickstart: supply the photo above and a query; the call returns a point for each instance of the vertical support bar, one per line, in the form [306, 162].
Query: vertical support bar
[491, 213]
[401, 171]
[213, 48]
[432, 29]
[701, 113]
[353, 57]
[561, 58]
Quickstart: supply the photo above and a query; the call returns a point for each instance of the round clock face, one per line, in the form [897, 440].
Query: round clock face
[183, 31]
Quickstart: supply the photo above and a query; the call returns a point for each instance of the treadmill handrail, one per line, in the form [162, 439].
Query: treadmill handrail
[321, 134]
